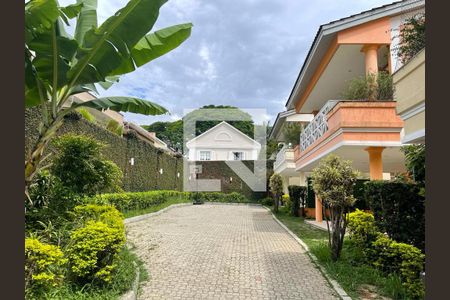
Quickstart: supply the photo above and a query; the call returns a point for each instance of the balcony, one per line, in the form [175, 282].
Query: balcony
[347, 128]
[284, 162]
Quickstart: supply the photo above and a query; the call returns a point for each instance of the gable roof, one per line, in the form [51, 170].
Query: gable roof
[228, 126]
[327, 32]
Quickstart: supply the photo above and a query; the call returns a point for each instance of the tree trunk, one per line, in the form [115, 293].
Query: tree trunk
[32, 164]
[275, 204]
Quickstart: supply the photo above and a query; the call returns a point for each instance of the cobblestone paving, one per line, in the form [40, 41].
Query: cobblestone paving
[223, 252]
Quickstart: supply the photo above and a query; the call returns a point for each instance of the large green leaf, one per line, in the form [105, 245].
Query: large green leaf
[52, 53]
[107, 47]
[71, 11]
[154, 45]
[39, 16]
[87, 19]
[126, 104]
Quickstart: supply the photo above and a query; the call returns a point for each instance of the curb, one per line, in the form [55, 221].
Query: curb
[334, 284]
[142, 217]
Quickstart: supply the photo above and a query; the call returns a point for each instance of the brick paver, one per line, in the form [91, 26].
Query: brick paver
[223, 252]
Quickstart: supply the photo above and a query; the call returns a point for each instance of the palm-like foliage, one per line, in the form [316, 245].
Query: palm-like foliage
[58, 65]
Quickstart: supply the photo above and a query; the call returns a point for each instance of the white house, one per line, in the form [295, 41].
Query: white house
[223, 142]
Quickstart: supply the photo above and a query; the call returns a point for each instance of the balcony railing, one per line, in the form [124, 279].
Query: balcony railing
[285, 153]
[317, 127]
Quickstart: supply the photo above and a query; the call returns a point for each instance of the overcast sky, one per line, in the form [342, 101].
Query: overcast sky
[245, 53]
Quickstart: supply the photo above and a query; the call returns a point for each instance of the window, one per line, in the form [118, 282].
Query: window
[238, 155]
[205, 155]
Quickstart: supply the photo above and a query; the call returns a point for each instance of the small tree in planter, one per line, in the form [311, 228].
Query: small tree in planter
[333, 181]
[276, 187]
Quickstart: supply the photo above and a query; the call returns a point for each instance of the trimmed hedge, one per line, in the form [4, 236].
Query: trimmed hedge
[141, 200]
[399, 210]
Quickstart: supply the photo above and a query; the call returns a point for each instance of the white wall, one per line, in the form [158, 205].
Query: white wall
[221, 141]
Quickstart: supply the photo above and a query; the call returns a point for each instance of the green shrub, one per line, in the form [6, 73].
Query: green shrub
[362, 229]
[399, 210]
[287, 202]
[87, 115]
[81, 167]
[115, 127]
[43, 264]
[95, 245]
[370, 87]
[403, 259]
[93, 251]
[297, 194]
[412, 37]
[267, 201]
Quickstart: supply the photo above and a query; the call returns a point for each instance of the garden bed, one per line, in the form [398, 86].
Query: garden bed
[358, 280]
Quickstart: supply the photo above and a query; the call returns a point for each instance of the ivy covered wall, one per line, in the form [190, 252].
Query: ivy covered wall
[145, 174]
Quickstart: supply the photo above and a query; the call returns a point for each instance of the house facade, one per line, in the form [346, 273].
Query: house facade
[367, 132]
[409, 82]
[222, 142]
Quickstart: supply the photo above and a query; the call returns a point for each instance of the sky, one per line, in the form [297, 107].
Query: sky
[244, 53]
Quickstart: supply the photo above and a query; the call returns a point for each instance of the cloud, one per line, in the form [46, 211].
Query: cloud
[245, 53]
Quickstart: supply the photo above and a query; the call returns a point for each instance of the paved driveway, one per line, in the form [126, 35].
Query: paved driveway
[214, 251]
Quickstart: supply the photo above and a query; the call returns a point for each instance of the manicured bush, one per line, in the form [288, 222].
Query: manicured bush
[399, 210]
[400, 258]
[267, 201]
[95, 245]
[43, 264]
[276, 188]
[297, 194]
[362, 229]
[333, 181]
[80, 166]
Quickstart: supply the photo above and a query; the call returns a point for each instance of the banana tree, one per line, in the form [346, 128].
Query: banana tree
[58, 65]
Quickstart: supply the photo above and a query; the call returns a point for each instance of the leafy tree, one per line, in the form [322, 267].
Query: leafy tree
[292, 132]
[172, 132]
[80, 166]
[58, 65]
[415, 161]
[276, 187]
[333, 181]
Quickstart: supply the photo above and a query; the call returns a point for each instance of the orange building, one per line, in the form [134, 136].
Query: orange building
[367, 132]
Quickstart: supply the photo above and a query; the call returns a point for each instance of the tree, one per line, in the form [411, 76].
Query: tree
[333, 181]
[172, 132]
[58, 65]
[292, 132]
[415, 161]
[276, 187]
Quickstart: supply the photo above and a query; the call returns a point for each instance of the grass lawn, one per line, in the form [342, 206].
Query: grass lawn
[170, 201]
[358, 280]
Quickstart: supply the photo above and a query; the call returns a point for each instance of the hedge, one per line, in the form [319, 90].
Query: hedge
[399, 210]
[141, 200]
[298, 197]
